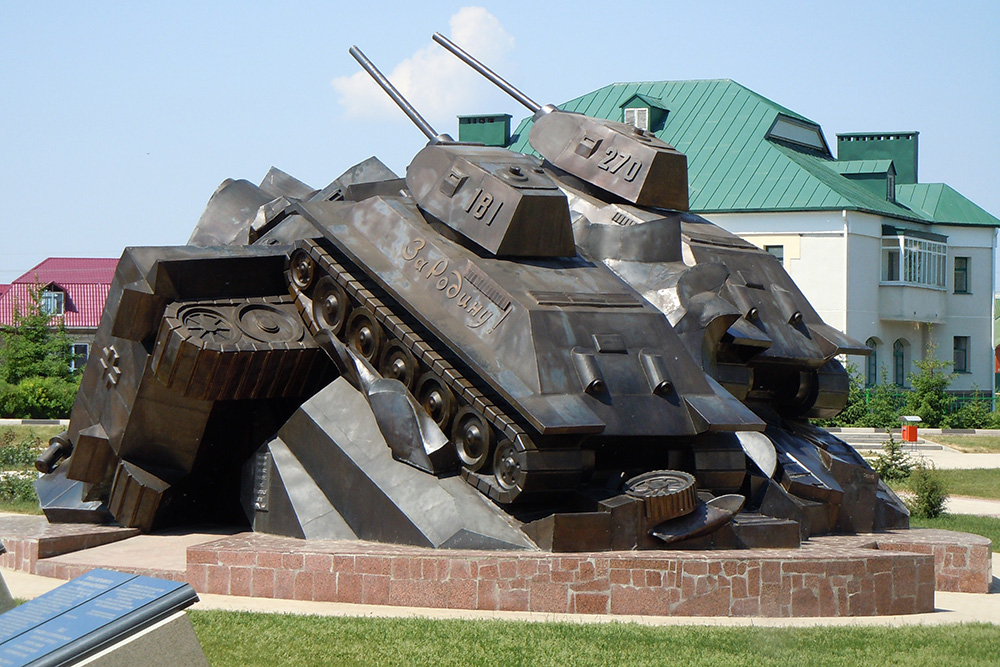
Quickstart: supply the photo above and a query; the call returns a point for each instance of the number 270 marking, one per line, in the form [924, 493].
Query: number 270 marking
[614, 161]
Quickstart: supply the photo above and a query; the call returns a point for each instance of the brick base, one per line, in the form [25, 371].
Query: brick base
[893, 573]
[828, 576]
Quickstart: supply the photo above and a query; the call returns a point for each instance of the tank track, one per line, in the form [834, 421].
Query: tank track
[504, 464]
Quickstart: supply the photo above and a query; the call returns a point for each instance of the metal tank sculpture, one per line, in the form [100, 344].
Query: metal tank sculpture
[451, 360]
[738, 312]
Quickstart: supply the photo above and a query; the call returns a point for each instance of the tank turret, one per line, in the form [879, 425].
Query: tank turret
[621, 159]
[500, 201]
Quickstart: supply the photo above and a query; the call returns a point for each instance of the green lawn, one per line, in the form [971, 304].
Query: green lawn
[241, 638]
[964, 523]
[977, 483]
[970, 444]
[44, 432]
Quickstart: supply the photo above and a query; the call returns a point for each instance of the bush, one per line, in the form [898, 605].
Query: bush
[884, 403]
[929, 494]
[894, 465]
[976, 412]
[38, 398]
[18, 486]
[20, 455]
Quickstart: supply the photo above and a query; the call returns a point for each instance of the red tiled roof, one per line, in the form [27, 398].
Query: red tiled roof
[84, 280]
[60, 270]
[3, 289]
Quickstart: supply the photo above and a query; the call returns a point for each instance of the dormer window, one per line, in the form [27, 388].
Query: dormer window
[53, 302]
[644, 112]
[800, 132]
[637, 117]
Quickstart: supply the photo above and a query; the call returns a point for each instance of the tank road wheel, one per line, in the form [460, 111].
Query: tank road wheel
[667, 494]
[330, 305]
[473, 438]
[436, 398]
[398, 363]
[301, 269]
[506, 469]
[364, 334]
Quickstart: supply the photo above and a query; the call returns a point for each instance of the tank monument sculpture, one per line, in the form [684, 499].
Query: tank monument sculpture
[496, 352]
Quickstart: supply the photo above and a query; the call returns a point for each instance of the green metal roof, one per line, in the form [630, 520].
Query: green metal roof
[943, 204]
[861, 166]
[722, 127]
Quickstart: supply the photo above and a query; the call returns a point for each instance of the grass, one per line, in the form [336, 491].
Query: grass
[970, 444]
[242, 638]
[20, 506]
[43, 431]
[963, 523]
[976, 483]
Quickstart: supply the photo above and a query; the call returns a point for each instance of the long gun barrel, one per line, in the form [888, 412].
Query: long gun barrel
[499, 81]
[391, 91]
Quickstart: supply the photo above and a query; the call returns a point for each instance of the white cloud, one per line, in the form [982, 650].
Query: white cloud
[435, 82]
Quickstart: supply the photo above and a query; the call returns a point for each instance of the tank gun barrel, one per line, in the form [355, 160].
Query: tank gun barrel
[497, 80]
[400, 101]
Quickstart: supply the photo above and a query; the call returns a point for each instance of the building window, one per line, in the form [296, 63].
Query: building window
[913, 261]
[53, 302]
[961, 275]
[961, 354]
[871, 366]
[776, 250]
[79, 352]
[637, 117]
[900, 361]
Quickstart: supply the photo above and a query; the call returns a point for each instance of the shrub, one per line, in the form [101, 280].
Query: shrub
[893, 465]
[976, 412]
[18, 486]
[929, 494]
[38, 398]
[21, 455]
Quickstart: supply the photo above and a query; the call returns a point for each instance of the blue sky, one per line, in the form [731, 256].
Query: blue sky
[120, 119]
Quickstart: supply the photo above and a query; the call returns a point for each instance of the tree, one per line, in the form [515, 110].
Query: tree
[35, 377]
[930, 399]
[31, 347]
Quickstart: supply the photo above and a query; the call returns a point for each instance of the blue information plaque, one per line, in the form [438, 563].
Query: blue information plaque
[85, 615]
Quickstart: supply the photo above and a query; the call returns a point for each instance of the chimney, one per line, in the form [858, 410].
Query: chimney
[900, 147]
[491, 129]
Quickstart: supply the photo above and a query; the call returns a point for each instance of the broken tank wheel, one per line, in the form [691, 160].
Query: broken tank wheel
[473, 438]
[330, 305]
[208, 325]
[301, 269]
[398, 363]
[666, 494]
[364, 334]
[506, 469]
[436, 398]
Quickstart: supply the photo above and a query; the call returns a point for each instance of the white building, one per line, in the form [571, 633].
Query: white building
[887, 259]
